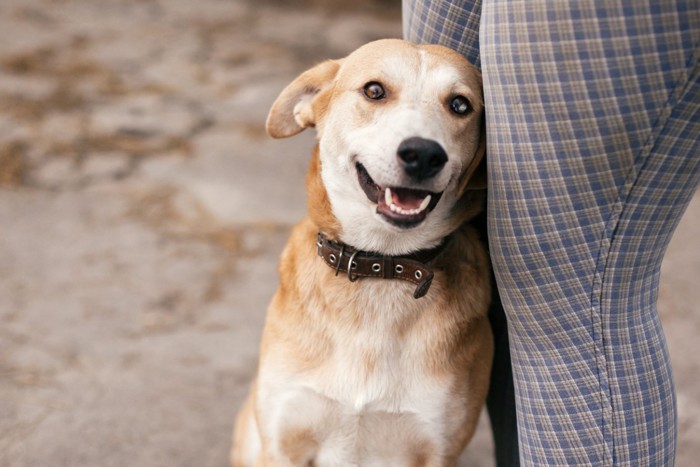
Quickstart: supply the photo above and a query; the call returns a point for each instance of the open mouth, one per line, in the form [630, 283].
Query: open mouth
[403, 207]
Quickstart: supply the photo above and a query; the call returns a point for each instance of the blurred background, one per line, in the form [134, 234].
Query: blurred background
[142, 212]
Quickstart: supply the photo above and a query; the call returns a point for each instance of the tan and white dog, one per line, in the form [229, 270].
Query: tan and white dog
[377, 348]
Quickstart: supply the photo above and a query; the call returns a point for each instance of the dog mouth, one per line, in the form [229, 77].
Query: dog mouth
[403, 207]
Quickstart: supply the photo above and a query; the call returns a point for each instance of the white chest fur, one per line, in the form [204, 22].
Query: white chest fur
[372, 401]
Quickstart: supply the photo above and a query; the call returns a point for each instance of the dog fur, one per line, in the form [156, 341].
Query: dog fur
[361, 373]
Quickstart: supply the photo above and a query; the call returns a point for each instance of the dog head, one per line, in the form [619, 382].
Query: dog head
[400, 137]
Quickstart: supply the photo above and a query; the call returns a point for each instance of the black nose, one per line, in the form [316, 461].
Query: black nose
[421, 158]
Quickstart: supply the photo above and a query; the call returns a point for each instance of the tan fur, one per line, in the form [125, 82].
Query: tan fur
[318, 205]
[299, 445]
[243, 433]
[361, 373]
[287, 117]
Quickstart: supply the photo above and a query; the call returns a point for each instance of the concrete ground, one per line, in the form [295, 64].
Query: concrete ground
[142, 211]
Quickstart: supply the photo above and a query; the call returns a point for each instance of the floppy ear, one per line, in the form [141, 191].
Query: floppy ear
[293, 110]
[475, 176]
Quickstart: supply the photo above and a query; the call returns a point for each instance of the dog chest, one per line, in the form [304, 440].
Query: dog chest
[371, 367]
[360, 422]
[374, 390]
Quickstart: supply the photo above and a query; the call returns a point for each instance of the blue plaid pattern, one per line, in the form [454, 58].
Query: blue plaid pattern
[593, 121]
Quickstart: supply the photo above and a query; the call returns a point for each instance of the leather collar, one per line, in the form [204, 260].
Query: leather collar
[356, 263]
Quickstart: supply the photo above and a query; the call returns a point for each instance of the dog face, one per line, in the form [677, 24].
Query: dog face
[399, 131]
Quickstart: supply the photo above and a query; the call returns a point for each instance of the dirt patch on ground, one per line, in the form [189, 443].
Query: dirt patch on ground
[13, 164]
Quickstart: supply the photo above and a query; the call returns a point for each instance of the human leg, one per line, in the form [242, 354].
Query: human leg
[593, 130]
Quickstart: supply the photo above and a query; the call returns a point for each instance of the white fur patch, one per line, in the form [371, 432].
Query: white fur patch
[386, 410]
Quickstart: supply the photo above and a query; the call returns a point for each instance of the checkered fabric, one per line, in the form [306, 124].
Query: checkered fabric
[593, 123]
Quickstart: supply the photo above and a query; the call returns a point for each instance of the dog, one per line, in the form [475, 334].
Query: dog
[377, 349]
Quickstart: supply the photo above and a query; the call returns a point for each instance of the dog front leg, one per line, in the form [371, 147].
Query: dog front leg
[247, 448]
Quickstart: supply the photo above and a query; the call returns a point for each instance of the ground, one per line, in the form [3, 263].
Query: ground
[142, 212]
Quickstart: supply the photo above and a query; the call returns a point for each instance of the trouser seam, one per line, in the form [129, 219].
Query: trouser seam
[608, 238]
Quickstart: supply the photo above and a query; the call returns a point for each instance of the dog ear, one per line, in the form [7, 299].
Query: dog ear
[293, 110]
[475, 176]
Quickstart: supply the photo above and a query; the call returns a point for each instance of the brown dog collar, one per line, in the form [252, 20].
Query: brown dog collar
[356, 263]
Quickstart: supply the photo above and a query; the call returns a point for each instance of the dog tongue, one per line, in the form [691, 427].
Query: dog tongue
[407, 199]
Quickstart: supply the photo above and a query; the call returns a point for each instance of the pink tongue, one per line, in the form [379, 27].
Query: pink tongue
[407, 199]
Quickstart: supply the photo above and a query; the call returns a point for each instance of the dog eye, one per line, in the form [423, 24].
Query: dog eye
[460, 105]
[374, 91]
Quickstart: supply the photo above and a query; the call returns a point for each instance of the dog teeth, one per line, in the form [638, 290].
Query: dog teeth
[389, 200]
[424, 204]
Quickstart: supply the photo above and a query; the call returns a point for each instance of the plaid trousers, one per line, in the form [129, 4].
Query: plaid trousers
[593, 125]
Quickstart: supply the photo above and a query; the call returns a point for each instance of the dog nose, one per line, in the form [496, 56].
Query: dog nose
[421, 158]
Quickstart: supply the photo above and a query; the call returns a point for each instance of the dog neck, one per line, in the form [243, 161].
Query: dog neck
[318, 204]
[355, 263]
